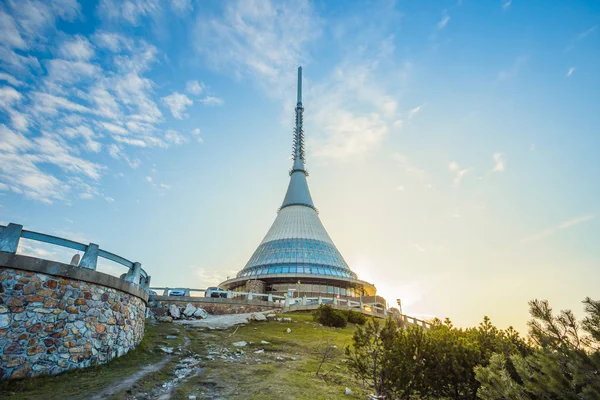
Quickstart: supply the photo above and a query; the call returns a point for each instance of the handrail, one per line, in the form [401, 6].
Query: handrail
[12, 233]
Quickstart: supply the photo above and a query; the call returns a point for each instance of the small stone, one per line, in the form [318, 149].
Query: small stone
[50, 284]
[348, 391]
[35, 328]
[35, 350]
[259, 351]
[288, 330]
[167, 350]
[100, 328]
[79, 302]
[189, 310]
[58, 335]
[72, 310]
[4, 320]
[264, 342]
[62, 315]
[171, 337]
[200, 313]
[44, 293]
[165, 318]
[191, 397]
[14, 302]
[239, 344]
[111, 321]
[28, 289]
[174, 311]
[15, 362]
[3, 309]
[257, 317]
[271, 316]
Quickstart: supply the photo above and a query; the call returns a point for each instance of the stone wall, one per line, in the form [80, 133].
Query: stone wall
[214, 306]
[255, 286]
[50, 324]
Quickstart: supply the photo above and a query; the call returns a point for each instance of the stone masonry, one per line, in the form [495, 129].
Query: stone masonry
[50, 324]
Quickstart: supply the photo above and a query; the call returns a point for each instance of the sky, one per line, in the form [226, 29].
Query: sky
[452, 145]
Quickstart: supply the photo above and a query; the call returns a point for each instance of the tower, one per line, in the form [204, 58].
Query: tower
[297, 252]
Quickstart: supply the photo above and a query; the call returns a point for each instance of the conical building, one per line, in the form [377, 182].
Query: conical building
[297, 252]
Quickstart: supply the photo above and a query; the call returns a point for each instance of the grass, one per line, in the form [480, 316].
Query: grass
[250, 376]
[262, 376]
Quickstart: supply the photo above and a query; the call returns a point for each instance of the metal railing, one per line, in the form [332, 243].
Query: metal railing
[12, 233]
[371, 307]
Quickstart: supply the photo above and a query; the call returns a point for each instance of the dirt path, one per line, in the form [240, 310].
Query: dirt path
[128, 382]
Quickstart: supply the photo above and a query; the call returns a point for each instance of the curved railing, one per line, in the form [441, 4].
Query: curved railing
[12, 233]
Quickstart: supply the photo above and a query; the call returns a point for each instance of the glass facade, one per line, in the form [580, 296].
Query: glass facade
[310, 290]
[297, 256]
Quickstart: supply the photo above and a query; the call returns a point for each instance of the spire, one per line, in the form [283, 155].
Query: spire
[298, 154]
[298, 193]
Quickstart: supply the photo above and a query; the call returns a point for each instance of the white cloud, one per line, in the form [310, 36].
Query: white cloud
[172, 136]
[587, 32]
[196, 131]
[131, 11]
[444, 21]
[112, 41]
[570, 71]
[182, 6]
[458, 172]
[211, 101]
[113, 128]
[76, 48]
[414, 111]
[263, 39]
[398, 123]
[506, 4]
[11, 80]
[194, 87]
[499, 165]
[148, 179]
[9, 97]
[9, 33]
[567, 224]
[177, 103]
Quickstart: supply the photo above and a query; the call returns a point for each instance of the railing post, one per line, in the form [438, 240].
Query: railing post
[250, 296]
[270, 298]
[9, 238]
[320, 300]
[147, 283]
[229, 294]
[335, 301]
[134, 273]
[303, 301]
[166, 291]
[186, 292]
[90, 257]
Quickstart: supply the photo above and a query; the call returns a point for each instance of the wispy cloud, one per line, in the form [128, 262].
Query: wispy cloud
[564, 225]
[499, 162]
[414, 111]
[586, 33]
[178, 103]
[459, 172]
[570, 71]
[506, 4]
[444, 21]
[194, 87]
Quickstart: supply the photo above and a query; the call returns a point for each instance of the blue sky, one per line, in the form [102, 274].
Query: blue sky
[452, 145]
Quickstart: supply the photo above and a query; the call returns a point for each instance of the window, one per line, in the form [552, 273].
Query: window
[271, 270]
[293, 254]
[278, 270]
[285, 270]
[321, 271]
[300, 270]
[293, 270]
[287, 254]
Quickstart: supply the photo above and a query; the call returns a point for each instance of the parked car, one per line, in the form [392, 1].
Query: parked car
[215, 292]
[152, 292]
[177, 292]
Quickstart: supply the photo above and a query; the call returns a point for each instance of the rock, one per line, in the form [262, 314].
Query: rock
[190, 397]
[259, 351]
[167, 350]
[239, 344]
[264, 342]
[348, 391]
[293, 358]
[271, 316]
[288, 330]
[257, 317]
[4, 320]
[165, 318]
[189, 310]
[286, 320]
[280, 358]
[200, 313]
[171, 337]
[174, 311]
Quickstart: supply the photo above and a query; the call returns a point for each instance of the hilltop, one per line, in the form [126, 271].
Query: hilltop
[253, 361]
